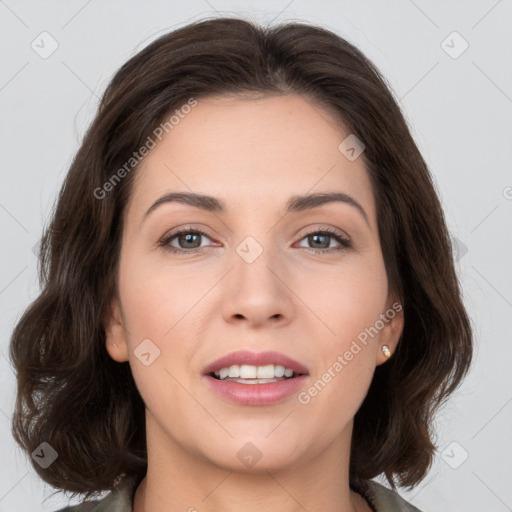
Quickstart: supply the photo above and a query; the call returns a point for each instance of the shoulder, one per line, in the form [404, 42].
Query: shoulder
[387, 500]
[119, 500]
[90, 506]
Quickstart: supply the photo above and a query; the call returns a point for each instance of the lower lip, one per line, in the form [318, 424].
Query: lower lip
[257, 394]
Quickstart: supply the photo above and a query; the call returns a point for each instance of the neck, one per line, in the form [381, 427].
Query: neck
[181, 479]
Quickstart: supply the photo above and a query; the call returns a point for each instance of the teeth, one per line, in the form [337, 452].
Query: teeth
[255, 381]
[265, 372]
[246, 371]
[234, 371]
[279, 371]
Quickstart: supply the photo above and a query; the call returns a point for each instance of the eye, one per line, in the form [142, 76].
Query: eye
[188, 240]
[322, 239]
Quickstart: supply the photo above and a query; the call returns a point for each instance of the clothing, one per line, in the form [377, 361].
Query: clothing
[381, 498]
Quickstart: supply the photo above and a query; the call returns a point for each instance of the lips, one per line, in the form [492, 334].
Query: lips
[255, 359]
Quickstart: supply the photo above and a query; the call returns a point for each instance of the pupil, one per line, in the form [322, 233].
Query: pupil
[315, 239]
[188, 238]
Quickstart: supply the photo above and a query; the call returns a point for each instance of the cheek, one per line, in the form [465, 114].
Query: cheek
[346, 299]
[155, 305]
[350, 305]
[156, 298]
[349, 302]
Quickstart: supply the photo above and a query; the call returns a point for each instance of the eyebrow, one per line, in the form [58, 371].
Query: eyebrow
[294, 204]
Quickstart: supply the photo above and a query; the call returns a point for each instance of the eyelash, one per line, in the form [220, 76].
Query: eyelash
[164, 243]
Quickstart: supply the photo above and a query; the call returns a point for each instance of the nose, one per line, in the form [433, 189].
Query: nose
[258, 293]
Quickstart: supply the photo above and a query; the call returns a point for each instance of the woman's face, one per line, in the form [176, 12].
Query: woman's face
[262, 278]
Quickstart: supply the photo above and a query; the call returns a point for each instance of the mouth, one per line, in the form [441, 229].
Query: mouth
[256, 379]
[249, 374]
[247, 367]
[255, 390]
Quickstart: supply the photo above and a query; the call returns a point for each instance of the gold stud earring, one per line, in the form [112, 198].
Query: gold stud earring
[386, 351]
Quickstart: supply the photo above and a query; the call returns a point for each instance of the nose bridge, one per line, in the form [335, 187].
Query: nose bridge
[257, 248]
[256, 291]
[254, 260]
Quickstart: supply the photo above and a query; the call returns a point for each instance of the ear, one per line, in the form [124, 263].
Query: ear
[115, 332]
[393, 327]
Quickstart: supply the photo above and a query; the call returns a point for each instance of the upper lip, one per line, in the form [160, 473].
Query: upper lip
[255, 359]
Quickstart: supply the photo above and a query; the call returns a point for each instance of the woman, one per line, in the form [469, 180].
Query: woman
[249, 299]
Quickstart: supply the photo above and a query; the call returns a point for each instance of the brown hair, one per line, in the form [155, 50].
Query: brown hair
[72, 395]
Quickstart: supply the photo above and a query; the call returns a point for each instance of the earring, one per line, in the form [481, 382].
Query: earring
[386, 351]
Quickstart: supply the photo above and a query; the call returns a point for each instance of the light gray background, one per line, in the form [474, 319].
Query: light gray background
[460, 113]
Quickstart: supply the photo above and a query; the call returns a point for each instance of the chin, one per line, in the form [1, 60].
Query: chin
[257, 454]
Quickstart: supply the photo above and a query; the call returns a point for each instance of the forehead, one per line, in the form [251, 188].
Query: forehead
[253, 151]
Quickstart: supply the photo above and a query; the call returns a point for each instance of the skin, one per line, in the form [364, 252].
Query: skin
[252, 153]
